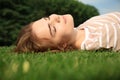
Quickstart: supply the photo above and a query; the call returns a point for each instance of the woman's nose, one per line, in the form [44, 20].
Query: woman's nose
[55, 18]
[53, 15]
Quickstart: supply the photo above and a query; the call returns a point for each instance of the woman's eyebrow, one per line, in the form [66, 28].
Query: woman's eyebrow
[50, 30]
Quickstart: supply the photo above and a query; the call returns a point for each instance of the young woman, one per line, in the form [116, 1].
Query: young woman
[57, 32]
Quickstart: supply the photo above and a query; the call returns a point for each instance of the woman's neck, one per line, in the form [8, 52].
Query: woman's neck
[77, 38]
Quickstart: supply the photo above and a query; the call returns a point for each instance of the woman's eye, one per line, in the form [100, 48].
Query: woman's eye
[53, 30]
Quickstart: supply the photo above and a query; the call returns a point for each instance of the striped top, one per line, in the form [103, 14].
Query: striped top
[102, 32]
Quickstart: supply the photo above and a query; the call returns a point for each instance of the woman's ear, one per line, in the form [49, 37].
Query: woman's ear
[62, 46]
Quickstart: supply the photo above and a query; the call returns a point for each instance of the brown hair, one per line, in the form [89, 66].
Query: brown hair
[28, 42]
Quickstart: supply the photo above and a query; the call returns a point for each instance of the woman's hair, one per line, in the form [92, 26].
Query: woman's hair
[28, 42]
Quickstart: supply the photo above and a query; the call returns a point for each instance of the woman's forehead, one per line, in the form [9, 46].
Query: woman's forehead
[39, 23]
[40, 28]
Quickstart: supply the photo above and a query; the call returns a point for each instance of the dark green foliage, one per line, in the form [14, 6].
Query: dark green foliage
[14, 14]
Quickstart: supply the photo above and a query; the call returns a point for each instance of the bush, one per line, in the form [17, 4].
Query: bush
[17, 13]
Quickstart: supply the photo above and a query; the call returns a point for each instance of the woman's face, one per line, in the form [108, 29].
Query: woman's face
[55, 27]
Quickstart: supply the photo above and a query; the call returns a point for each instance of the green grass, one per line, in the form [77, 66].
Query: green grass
[71, 65]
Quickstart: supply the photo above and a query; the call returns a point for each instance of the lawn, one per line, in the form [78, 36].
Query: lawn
[71, 65]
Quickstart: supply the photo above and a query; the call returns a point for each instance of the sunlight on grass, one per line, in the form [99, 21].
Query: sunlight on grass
[26, 66]
[15, 67]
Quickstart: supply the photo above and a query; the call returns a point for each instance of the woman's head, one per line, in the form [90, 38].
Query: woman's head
[51, 32]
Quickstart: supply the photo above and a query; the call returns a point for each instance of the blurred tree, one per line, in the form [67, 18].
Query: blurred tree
[17, 13]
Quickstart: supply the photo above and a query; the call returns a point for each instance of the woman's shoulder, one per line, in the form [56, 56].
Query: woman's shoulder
[103, 15]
